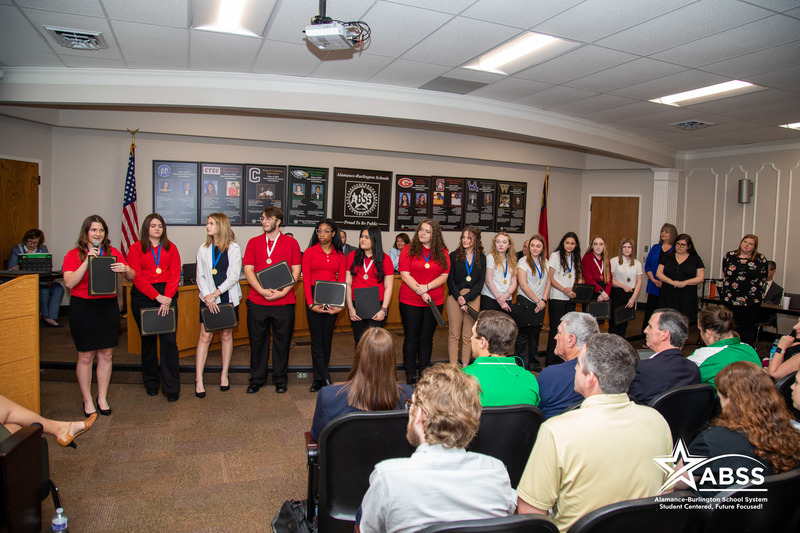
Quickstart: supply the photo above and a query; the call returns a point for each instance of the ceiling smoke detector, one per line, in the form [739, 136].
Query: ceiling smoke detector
[692, 125]
[77, 39]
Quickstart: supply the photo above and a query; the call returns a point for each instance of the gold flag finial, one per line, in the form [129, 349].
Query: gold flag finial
[133, 134]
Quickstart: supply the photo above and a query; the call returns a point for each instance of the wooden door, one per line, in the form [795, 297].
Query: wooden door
[19, 203]
[615, 218]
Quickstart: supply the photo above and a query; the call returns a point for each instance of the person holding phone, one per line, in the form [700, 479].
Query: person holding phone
[219, 264]
[93, 320]
[368, 266]
[157, 264]
[785, 360]
[322, 261]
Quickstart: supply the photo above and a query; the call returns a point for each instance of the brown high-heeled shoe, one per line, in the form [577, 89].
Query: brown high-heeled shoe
[68, 440]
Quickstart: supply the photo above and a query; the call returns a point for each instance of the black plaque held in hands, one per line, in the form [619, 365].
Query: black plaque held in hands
[583, 293]
[224, 319]
[367, 302]
[102, 280]
[473, 313]
[624, 314]
[600, 310]
[277, 277]
[330, 293]
[436, 314]
[151, 323]
[525, 315]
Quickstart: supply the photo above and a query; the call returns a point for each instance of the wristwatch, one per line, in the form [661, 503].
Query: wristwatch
[778, 350]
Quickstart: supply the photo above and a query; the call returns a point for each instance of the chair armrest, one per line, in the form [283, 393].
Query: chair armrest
[21, 470]
[312, 453]
[312, 448]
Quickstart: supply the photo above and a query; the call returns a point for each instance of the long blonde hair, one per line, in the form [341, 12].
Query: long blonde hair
[511, 254]
[225, 235]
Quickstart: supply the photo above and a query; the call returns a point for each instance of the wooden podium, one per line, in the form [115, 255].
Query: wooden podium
[19, 341]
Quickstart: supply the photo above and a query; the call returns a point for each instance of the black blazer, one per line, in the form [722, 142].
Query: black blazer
[668, 370]
[774, 294]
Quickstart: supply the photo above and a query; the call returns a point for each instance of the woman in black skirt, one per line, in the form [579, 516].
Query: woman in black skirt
[93, 320]
[157, 264]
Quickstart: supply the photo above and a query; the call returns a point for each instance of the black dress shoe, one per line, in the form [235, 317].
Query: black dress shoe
[317, 385]
[280, 388]
[225, 388]
[411, 380]
[200, 394]
[152, 392]
[253, 388]
[173, 396]
[104, 412]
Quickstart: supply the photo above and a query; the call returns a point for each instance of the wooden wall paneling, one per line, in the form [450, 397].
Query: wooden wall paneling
[19, 341]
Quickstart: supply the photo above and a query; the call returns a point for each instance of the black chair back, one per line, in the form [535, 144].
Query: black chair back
[644, 514]
[507, 524]
[21, 480]
[779, 513]
[508, 433]
[349, 448]
[784, 386]
[687, 410]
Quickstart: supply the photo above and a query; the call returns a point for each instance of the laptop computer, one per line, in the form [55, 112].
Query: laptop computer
[36, 262]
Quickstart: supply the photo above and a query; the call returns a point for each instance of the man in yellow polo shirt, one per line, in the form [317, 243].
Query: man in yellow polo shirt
[601, 453]
[503, 381]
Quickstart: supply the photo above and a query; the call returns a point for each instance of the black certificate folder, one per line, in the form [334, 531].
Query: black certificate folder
[102, 280]
[367, 302]
[225, 319]
[154, 324]
[583, 293]
[277, 277]
[330, 293]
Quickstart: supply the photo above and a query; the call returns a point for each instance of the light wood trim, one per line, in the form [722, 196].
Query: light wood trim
[19, 341]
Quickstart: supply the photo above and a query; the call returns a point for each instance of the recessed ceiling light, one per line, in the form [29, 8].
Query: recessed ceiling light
[705, 94]
[238, 17]
[522, 52]
[793, 126]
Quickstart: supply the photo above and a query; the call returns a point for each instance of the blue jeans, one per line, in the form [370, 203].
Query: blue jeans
[50, 300]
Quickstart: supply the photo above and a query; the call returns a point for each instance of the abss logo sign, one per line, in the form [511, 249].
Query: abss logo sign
[362, 200]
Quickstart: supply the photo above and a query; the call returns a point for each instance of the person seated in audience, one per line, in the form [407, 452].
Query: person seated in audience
[50, 292]
[772, 291]
[754, 423]
[723, 346]
[371, 384]
[557, 382]
[667, 368]
[13, 417]
[441, 481]
[601, 453]
[796, 399]
[502, 381]
[783, 361]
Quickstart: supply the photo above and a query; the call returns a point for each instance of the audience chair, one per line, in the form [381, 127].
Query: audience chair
[779, 514]
[349, 448]
[507, 524]
[784, 386]
[687, 410]
[508, 433]
[644, 514]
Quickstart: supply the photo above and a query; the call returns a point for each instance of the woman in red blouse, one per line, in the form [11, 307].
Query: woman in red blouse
[93, 320]
[424, 267]
[322, 261]
[368, 266]
[596, 269]
[158, 271]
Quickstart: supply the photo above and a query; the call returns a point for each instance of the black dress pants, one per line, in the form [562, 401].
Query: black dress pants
[170, 366]
[419, 325]
[320, 326]
[260, 320]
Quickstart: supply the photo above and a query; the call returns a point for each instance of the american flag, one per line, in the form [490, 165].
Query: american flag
[130, 222]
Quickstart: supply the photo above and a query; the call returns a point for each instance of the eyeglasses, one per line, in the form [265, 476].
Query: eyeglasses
[321, 231]
[681, 244]
[32, 242]
[263, 218]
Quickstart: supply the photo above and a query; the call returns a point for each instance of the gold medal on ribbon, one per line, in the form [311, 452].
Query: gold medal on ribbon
[427, 265]
[570, 276]
[505, 282]
[158, 270]
[366, 276]
[469, 278]
[214, 271]
[269, 261]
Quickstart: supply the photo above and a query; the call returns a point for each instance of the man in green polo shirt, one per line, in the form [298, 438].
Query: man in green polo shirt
[503, 381]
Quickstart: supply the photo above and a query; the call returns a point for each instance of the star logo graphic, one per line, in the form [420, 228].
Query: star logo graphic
[684, 473]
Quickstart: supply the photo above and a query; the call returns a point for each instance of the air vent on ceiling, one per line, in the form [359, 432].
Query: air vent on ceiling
[691, 125]
[77, 39]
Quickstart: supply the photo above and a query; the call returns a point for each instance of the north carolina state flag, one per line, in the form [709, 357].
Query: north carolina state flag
[543, 216]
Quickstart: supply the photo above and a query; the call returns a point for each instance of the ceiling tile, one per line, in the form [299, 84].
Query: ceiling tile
[673, 83]
[18, 34]
[74, 61]
[757, 62]
[553, 97]
[474, 37]
[160, 45]
[623, 112]
[405, 73]
[19, 58]
[633, 72]
[510, 89]
[172, 13]
[777, 78]
[734, 104]
[591, 105]
[777, 5]
[90, 8]
[447, 6]
[223, 52]
[518, 13]
[391, 38]
[287, 59]
[576, 64]
[359, 68]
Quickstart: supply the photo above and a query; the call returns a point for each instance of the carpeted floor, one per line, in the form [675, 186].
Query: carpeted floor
[222, 463]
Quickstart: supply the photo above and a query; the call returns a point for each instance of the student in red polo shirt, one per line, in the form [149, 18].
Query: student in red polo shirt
[267, 308]
[368, 266]
[323, 260]
[157, 264]
[424, 266]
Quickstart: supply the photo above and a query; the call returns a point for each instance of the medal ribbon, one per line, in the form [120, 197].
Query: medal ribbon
[539, 271]
[505, 272]
[426, 257]
[469, 265]
[215, 257]
[599, 264]
[366, 268]
[570, 264]
[156, 258]
[274, 243]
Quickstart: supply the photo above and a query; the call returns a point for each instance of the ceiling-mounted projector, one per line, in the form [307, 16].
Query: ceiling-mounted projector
[330, 36]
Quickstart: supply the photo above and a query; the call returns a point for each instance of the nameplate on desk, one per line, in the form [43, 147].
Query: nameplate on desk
[330, 293]
[102, 280]
[276, 277]
[151, 323]
[224, 319]
[583, 293]
[367, 301]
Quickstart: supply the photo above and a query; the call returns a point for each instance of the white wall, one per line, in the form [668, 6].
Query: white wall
[709, 210]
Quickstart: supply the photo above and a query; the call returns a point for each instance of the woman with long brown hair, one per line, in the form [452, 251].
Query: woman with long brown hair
[744, 272]
[157, 264]
[665, 244]
[468, 270]
[626, 280]
[680, 272]
[371, 384]
[754, 423]
[93, 320]
[534, 289]
[219, 265]
[564, 269]
[424, 267]
[596, 270]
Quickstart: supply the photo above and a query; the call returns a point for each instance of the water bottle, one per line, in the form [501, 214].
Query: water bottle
[59, 522]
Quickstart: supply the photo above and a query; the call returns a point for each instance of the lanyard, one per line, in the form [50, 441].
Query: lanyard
[539, 271]
[599, 264]
[427, 258]
[469, 265]
[272, 248]
[216, 258]
[156, 258]
[366, 268]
